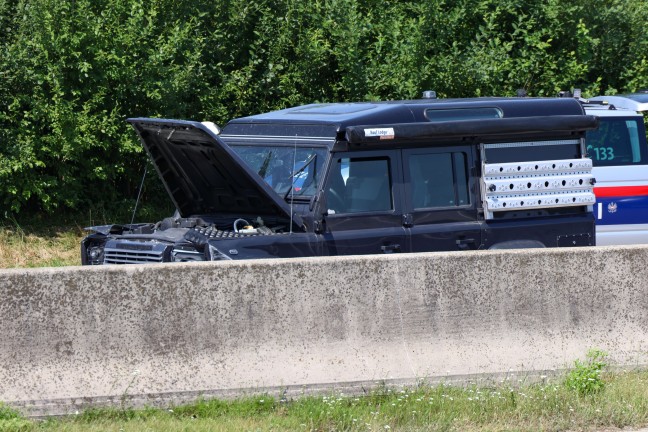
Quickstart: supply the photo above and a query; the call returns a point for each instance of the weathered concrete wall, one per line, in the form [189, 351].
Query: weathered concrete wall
[183, 329]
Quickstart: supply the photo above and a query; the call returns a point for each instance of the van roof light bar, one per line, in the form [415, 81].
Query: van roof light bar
[429, 94]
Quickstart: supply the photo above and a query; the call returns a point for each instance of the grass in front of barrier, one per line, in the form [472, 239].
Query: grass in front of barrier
[43, 247]
[618, 400]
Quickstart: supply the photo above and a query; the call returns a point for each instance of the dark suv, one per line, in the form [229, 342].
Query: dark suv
[364, 178]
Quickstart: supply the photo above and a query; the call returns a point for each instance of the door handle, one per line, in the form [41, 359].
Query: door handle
[390, 248]
[465, 243]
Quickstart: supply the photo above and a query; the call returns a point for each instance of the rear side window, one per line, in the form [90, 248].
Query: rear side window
[617, 141]
[438, 180]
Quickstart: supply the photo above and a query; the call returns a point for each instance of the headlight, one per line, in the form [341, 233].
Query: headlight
[216, 255]
[95, 255]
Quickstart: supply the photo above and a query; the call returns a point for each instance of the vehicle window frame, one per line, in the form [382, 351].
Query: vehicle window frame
[394, 162]
[408, 192]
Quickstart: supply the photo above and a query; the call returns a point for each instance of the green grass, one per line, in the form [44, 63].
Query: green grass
[550, 406]
[55, 241]
[43, 247]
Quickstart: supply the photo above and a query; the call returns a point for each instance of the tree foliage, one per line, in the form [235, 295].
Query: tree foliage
[72, 71]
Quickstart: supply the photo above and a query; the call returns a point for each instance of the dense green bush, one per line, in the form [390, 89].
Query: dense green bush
[72, 71]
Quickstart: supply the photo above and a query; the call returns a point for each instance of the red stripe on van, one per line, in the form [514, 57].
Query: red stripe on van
[620, 191]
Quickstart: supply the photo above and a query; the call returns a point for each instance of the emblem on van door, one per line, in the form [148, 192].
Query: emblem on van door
[612, 207]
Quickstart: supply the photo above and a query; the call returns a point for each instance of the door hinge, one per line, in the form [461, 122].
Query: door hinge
[408, 220]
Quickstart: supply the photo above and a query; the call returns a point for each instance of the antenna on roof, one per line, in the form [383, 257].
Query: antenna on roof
[521, 93]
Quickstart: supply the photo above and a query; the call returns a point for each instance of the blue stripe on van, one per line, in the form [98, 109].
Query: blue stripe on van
[622, 210]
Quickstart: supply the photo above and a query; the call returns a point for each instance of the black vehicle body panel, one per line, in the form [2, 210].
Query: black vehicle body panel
[566, 231]
[285, 245]
[228, 210]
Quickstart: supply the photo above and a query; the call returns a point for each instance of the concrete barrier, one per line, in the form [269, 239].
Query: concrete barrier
[73, 337]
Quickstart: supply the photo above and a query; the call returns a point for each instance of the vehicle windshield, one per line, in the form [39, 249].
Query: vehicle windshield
[291, 171]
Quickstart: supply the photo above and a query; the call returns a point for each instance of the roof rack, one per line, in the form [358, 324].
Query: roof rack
[576, 94]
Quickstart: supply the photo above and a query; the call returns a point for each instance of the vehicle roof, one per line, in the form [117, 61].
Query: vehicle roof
[634, 102]
[327, 119]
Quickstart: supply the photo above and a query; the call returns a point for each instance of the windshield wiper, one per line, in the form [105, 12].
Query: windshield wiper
[266, 163]
[292, 176]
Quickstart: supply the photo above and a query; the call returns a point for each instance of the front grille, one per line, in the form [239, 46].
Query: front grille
[121, 252]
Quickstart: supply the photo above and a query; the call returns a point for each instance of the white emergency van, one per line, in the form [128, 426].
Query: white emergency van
[619, 153]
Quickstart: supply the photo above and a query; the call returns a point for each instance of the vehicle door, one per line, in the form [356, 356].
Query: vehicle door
[440, 209]
[362, 213]
[619, 153]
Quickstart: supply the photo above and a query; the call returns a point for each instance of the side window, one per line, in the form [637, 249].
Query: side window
[359, 185]
[438, 180]
[616, 142]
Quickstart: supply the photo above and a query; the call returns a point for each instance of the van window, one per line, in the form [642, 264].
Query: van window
[438, 180]
[616, 142]
[359, 185]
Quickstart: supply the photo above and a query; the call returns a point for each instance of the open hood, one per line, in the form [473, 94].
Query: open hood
[202, 174]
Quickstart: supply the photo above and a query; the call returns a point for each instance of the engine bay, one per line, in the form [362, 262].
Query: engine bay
[171, 239]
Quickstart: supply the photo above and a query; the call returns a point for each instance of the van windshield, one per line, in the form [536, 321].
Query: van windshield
[290, 171]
